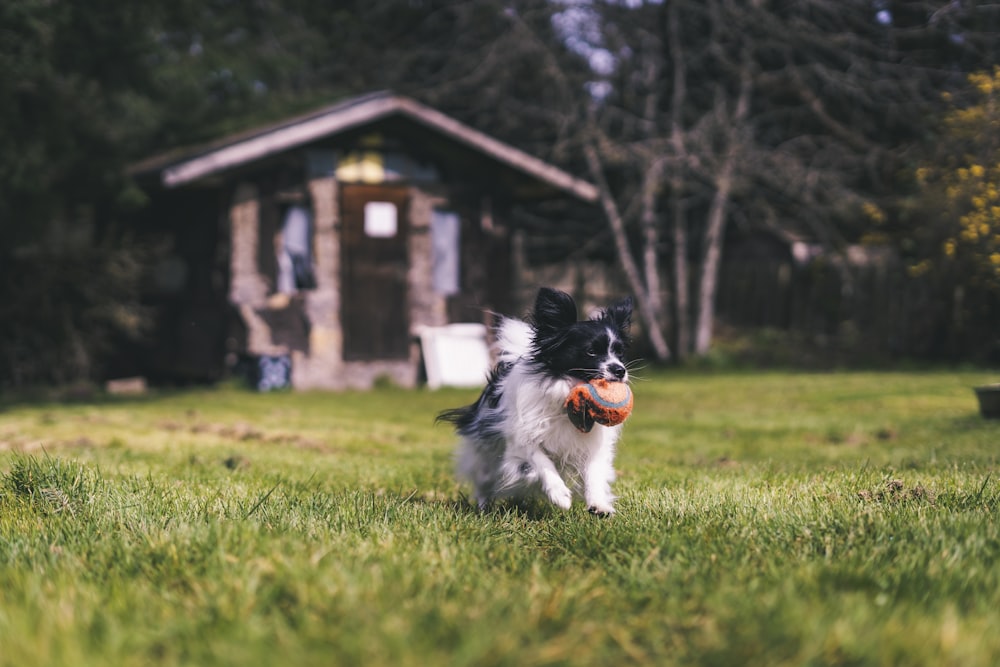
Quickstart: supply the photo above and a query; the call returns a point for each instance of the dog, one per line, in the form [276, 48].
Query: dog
[517, 439]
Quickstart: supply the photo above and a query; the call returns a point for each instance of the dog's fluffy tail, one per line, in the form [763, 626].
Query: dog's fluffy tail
[514, 340]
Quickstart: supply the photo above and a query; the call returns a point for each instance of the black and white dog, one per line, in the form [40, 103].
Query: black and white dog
[517, 438]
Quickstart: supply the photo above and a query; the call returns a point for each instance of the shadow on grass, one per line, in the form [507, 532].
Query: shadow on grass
[974, 422]
[531, 509]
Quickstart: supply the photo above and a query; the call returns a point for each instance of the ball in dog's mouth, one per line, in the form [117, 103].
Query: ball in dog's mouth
[599, 401]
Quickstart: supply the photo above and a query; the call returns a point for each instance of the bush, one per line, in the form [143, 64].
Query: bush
[951, 229]
[65, 312]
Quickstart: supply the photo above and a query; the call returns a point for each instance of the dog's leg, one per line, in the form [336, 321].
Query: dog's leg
[552, 484]
[597, 477]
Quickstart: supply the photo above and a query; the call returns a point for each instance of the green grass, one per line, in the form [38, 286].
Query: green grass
[764, 519]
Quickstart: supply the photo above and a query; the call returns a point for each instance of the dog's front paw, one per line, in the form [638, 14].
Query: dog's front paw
[561, 497]
[601, 509]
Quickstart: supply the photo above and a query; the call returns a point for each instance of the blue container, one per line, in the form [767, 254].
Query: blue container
[274, 372]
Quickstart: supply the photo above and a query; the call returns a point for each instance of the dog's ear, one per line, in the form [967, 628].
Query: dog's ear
[553, 310]
[618, 315]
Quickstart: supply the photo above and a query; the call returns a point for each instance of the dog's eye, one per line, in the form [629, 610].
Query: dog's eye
[617, 349]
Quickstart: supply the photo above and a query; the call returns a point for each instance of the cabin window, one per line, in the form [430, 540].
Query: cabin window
[381, 219]
[446, 251]
[295, 258]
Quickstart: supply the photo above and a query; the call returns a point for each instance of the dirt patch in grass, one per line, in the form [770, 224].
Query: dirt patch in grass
[243, 432]
[895, 491]
[14, 442]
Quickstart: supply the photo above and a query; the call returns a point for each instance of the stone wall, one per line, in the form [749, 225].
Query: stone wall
[426, 307]
[322, 365]
[319, 364]
[246, 285]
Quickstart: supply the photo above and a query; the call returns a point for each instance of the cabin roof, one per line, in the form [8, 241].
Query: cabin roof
[190, 165]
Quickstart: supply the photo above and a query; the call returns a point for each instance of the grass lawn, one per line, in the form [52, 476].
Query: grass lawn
[764, 519]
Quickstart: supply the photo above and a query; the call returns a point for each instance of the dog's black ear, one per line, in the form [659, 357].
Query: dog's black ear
[619, 315]
[553, 310]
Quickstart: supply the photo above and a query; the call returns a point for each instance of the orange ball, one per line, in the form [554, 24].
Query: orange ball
[598, 401]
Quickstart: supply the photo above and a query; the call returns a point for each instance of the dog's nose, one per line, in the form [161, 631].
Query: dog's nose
[617, 370]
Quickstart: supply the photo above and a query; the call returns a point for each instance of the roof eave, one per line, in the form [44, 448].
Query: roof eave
[346, 117]
[275, 141]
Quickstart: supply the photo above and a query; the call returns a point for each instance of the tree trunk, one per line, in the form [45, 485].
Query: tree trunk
[646, 306]
[712, 255]
[682, 321]
[652, 182]
[682, 308]
[651, 238]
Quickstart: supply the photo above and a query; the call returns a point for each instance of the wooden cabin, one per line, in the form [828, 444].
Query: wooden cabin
[331, 240]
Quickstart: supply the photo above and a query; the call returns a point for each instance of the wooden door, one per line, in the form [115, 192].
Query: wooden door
[374, 261]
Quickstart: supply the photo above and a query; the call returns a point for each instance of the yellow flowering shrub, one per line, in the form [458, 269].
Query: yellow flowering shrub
[970, 183]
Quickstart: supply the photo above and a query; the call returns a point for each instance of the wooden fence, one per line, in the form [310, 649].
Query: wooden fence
[868, 310]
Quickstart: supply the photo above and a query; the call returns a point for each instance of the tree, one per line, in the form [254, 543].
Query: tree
[653, 139]
[69, 107]
[950, 231]
[770, 114]
[972, 182]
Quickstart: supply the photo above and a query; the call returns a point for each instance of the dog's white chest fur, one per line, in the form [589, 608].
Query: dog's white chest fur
[540, 419]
